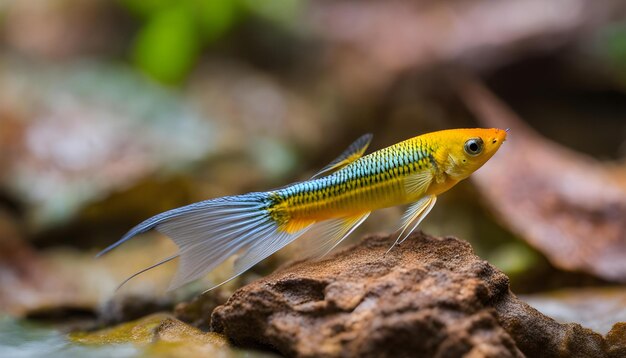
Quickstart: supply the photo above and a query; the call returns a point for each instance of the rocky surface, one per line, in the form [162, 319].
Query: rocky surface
[198, 311]
[597, 308]
[430, 297]
[160, 335]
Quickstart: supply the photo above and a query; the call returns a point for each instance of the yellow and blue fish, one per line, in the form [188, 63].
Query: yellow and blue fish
[329, 206]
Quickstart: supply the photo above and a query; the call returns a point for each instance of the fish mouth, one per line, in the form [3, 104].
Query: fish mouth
[493, 141]
[501, 135]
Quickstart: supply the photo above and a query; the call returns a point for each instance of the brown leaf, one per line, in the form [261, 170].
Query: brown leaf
[566, 204]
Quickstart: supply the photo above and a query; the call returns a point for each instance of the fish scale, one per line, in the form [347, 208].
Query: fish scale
[355, 186]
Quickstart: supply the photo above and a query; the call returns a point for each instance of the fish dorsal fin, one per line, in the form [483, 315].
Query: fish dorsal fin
[326, 235]
[414, 215]
[352, 153]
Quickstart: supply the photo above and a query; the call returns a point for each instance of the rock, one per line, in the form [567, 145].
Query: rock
[541, 336]
[197, 311]
[616, 340]
[597, 308]
[129, 307]
[160, 335]
[427, 297]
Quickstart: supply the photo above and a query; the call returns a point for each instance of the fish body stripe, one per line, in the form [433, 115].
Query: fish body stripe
[373, 181]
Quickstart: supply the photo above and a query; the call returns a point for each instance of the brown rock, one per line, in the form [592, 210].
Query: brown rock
[429, 297]
[541, 336]
[198, 311]
[616, 340]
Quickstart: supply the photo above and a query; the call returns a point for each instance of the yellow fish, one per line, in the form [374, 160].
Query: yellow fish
[329, 206]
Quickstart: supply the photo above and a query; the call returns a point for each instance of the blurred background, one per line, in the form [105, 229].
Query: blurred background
[113, 111]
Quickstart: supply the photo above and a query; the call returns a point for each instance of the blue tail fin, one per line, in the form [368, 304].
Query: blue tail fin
[209, 232]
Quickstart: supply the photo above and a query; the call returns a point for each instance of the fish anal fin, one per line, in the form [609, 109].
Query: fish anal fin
[414, 216]
[324, 236]
[352, 153]
[295, 225]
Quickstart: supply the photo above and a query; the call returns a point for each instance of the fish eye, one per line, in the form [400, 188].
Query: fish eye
[473, 146]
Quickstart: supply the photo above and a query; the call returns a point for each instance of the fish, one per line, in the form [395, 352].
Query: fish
[326, 208]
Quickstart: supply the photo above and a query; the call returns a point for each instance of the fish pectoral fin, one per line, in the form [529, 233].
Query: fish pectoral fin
[417, 184]
[324, 236]
[352, 153]
[414, 216]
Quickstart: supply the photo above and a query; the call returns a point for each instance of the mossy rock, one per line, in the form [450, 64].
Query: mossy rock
[161, 335]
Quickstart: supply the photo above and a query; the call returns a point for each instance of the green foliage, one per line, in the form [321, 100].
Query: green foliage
[167, 46]
[280, 12]
[216, 17]
[174, 32]
[514, 258]
[616, 45]
[610, 46]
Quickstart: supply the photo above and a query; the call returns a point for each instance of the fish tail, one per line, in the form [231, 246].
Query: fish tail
[209, 232]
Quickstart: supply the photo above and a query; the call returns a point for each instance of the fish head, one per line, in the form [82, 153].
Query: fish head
[466, 150]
